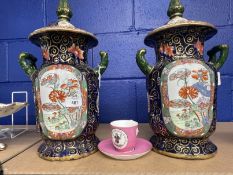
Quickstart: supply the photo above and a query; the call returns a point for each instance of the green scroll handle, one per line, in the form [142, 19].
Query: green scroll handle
[28, 63]
[101, 68]
[218, 62]
[144, 66]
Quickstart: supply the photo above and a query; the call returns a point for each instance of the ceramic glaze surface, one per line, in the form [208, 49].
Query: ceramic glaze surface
[63, 99]
[60, 48]
[66, 89]
[142, 147]
[182, 86]
[187, 88]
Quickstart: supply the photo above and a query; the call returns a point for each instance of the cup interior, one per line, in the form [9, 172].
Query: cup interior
[124, 123]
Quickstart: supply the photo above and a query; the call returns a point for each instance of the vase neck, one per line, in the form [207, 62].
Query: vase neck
[63, 49]
[178, 44]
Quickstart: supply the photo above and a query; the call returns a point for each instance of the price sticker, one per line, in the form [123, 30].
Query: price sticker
[73, 102]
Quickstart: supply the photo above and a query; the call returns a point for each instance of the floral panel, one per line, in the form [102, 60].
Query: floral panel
[62, 101]
[187, 89]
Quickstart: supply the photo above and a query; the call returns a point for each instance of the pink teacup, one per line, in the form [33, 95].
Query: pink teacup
[124, 134]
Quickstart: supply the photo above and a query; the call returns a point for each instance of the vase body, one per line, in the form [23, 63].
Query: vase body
[182, 86]
[66, 89]
[182, 96]
[66, 98]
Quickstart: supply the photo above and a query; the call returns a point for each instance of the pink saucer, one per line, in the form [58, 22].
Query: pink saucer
[142, 147]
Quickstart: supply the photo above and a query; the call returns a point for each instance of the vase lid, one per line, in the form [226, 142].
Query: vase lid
[63, 24]
[175, 13]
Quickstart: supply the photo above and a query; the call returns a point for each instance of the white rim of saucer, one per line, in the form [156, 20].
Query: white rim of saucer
[126, 155]
[124, 123]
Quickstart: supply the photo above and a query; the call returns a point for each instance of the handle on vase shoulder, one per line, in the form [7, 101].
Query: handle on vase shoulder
[218, 62]
[28, 63]
[142, 63]
[101, 68]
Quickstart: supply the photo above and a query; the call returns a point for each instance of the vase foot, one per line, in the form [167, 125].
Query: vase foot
[195, 148]
[68, 150]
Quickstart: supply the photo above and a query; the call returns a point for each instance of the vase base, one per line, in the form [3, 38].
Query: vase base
[80, 147]
[181, 148]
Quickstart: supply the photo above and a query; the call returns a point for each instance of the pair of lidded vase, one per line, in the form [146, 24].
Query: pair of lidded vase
[181, 87]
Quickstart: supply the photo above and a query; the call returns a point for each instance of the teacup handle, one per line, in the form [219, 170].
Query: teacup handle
[137, 131]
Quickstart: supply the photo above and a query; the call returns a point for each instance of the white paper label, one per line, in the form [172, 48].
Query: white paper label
[219, 79]
[73, 102]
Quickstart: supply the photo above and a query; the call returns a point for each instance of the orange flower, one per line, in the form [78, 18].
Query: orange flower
[195, 76]
[73, 84]
[49, 78]
[168, 50]
[64, 86]
[200, 74]
[71, 109]
[56, 95]
[189, 91]
[204, 75]
[72, 81]
[203, 105]
[199, 47]
[45, 54]
[76, 51]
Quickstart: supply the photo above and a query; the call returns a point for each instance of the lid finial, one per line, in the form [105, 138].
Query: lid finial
[175, 9]
[64, 12]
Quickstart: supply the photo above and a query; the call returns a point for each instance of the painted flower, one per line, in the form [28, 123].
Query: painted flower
[203, 103]
[195, 76]
[57, 95]
[204, 75]
[167, 50]
[199, 47]
[43, 81]
[64, 86]
[71, 109]
[45, 54]
[72, 84]
[200, 75]
[76, 51]
[189, 91]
